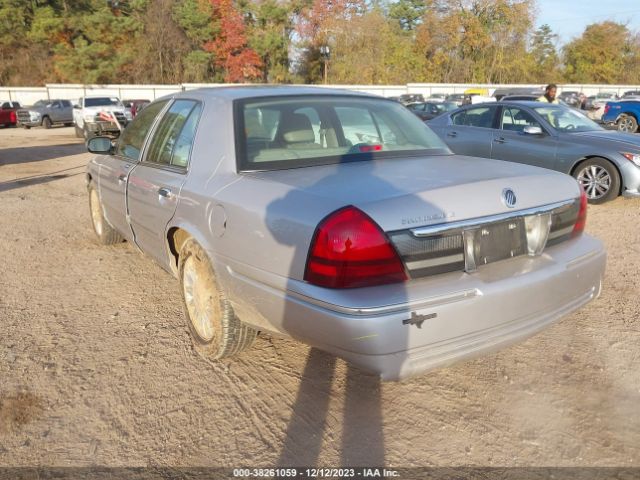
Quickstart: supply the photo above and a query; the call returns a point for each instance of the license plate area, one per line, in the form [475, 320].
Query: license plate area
[494, 242]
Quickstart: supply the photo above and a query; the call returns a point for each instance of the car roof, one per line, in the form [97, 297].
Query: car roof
[253, 91]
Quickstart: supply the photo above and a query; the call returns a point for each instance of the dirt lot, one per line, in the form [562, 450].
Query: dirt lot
[96, 367]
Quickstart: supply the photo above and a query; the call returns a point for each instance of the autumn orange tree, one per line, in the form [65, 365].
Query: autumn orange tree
[229, 45]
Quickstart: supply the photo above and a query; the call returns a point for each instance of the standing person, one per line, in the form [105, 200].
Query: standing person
[549, 94]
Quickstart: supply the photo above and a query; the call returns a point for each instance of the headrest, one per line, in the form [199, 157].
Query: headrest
[296, 128]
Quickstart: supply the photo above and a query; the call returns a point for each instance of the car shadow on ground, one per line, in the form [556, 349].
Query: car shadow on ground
[362, 434]
[11, 156]
[37, 179]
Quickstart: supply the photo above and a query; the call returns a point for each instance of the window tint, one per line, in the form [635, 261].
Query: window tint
[101, 101]
[358, 125]
[458, 118]
[132, 138]
[315, 130]
[479, 117]
[169, 128]
[66, 103]
[515, 119]
[182, 149]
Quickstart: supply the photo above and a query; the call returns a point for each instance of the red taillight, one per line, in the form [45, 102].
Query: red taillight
[350, 250]
[607, 107]
[581, 221]
[12, 117]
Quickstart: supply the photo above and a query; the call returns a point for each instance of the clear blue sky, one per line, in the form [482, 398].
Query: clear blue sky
[568, 18]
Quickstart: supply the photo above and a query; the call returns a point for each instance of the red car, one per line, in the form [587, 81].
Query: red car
[8, 113]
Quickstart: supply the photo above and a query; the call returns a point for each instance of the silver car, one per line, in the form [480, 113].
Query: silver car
[341, 220]
[604, 162]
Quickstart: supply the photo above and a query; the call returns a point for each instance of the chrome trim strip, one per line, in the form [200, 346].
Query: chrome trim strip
[476, 222]
[559, 233]
[435, 262]
[393, 308]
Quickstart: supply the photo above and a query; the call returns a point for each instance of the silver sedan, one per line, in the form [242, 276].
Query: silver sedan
[605, 163]
[341, 220]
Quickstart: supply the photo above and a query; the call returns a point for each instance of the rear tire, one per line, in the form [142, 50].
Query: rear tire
[215, 330]
[107, 235]
[46, 122]
[599, 179]
[627, 124]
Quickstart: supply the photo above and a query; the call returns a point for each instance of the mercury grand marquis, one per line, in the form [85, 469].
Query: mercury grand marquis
[341, 220]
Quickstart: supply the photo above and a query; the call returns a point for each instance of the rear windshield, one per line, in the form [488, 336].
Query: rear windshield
[289, 132]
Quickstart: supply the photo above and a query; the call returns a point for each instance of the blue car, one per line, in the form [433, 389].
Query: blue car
[624, 115]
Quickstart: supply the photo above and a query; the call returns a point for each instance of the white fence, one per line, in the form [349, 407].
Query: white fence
[29, 95]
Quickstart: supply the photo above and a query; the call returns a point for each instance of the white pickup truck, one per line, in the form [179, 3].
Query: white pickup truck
[100, 115]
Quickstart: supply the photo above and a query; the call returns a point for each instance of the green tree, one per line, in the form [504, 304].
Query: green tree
[545, 63]
[408, 13]
[606, 52]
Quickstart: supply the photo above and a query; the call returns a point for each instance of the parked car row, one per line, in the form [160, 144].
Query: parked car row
[341, 220]
[94, 115]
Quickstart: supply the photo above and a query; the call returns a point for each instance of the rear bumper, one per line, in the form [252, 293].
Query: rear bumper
[464, 315]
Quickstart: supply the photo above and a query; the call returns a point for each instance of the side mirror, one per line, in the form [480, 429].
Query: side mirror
[101, 145]
[529, 130]
[76, 107]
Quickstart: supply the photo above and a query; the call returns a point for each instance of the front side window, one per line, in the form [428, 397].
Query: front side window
[515, 119]
[169, 135]
[296, 131]
[132, 139]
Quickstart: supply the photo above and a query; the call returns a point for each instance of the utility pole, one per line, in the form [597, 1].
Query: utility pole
[325, 54]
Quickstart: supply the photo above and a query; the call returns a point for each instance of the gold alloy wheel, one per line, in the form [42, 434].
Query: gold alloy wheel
[200, 297]
[96, 213]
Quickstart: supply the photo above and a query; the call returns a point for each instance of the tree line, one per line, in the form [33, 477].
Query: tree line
[286, 41]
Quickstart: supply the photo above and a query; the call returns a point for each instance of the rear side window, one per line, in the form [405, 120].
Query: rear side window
[297, 131]
[476, 117]
[132, 139]
[173, 138]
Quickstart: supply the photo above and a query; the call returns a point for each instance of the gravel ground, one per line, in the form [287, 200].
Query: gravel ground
[96, 367]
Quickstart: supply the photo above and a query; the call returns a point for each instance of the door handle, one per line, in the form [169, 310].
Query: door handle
[121, 178]
[499, 140]
[165, 192]
[452, 134]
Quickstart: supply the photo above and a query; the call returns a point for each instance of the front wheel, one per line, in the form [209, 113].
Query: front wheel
[107, 235]
[79, 132]
[215, 330]
[627, 124]
[87, 134]
[46, 122]
[599, 179]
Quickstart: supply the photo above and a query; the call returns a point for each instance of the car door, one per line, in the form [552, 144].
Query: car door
[66, 111]
[55, 111]
[470, 131]
[154, 185]
[115, 169]
[511, 143]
